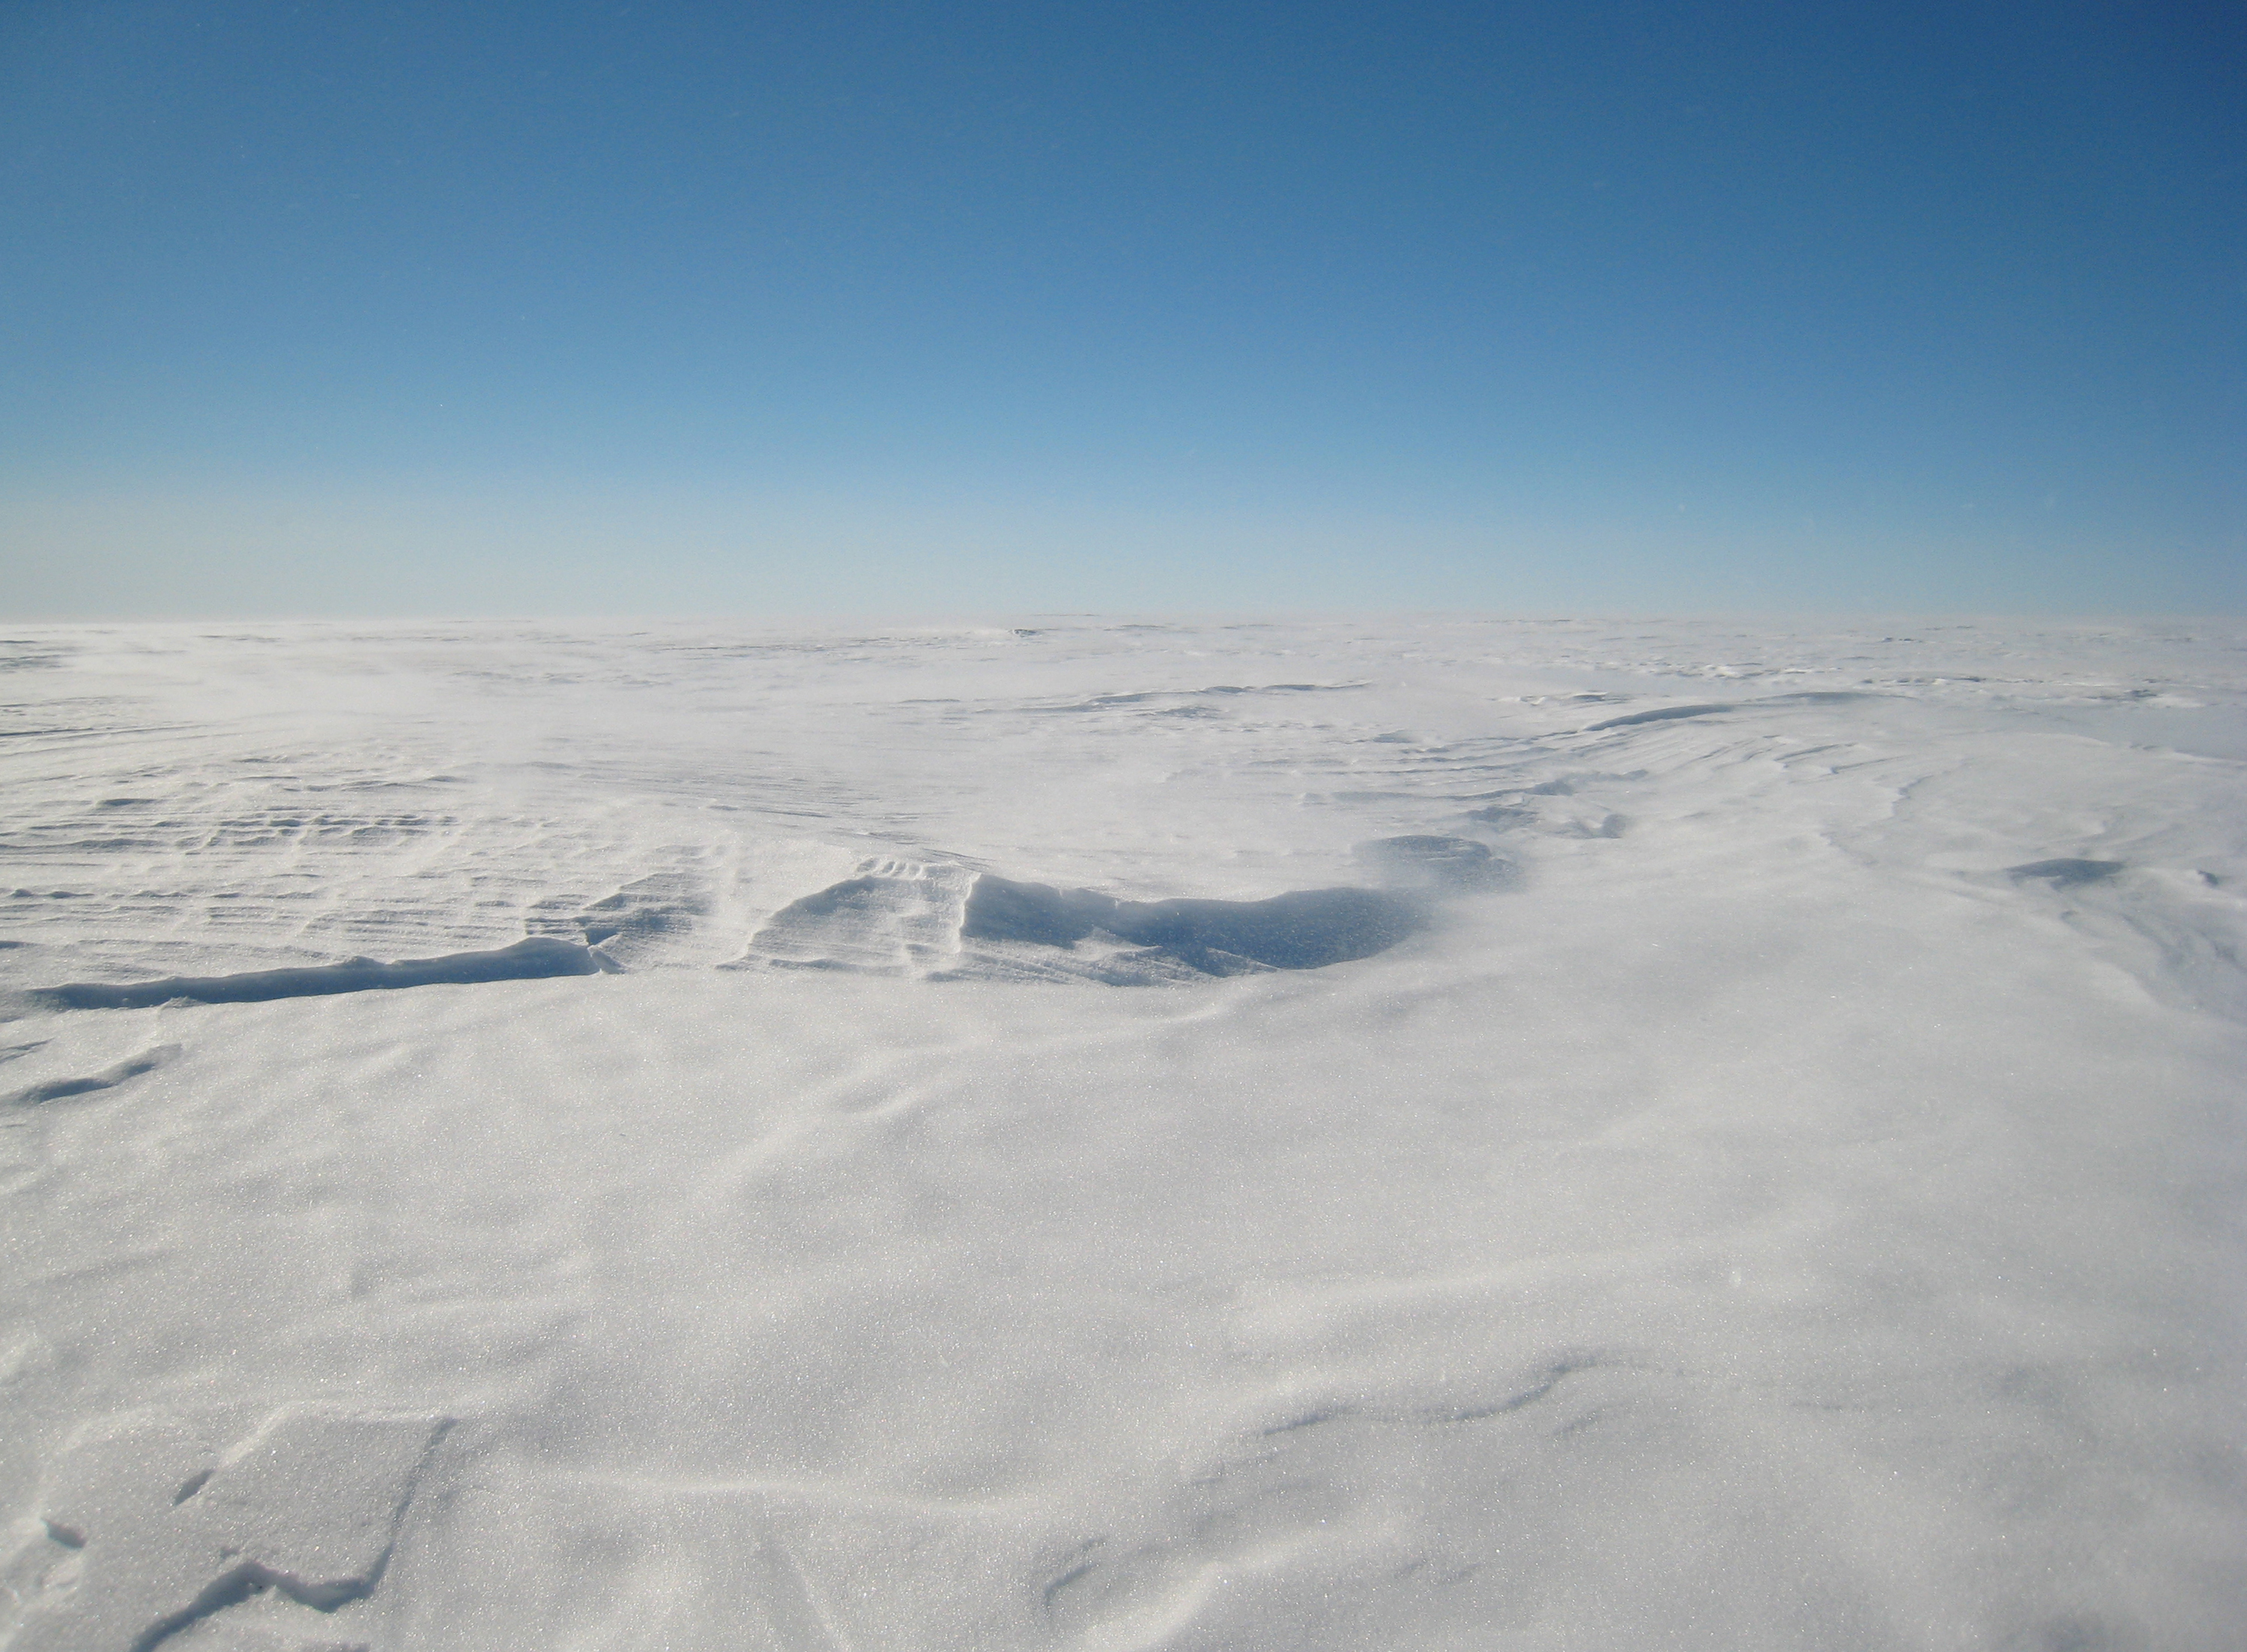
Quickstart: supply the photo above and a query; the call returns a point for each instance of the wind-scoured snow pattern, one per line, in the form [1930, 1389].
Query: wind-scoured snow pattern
[1624, 1135]
[948, 923]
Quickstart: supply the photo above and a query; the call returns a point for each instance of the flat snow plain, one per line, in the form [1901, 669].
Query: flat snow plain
[1754, 1158]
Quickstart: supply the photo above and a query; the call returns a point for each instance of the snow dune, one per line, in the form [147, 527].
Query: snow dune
[1087, 1135]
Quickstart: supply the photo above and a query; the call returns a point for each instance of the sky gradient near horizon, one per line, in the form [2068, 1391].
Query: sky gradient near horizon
[789, 310]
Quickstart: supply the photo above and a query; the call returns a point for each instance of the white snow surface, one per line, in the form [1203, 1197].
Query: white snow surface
[1762, 1167]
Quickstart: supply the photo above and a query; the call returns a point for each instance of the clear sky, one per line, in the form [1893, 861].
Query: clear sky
[780, 309]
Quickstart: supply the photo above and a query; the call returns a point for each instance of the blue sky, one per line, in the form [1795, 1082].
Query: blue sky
[779, 309]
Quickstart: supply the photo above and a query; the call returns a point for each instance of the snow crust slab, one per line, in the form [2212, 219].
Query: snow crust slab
[1095, 1135]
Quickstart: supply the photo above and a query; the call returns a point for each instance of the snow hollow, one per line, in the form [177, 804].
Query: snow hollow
[1098, 1134]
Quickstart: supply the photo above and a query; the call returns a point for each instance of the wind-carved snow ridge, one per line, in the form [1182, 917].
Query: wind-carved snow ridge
[57, 1089]
[1671, 714]
[1305, 930]
[534, 958]
[931, 919]
[2065, 873]
[894, 917]
[149, 1527]
[649, 921]
[942, 921]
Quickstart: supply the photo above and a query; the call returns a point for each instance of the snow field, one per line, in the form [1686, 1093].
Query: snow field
[1773, 1206]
